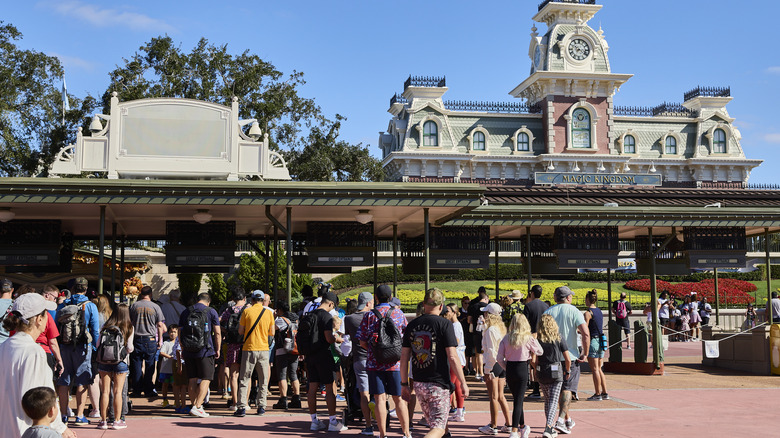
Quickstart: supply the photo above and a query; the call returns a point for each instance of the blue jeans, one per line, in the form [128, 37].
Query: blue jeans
[143, 356]
[77, 361]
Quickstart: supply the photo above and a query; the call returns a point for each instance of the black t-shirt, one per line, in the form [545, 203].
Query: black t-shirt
[324, 323]
[475, 311]
[533, 311]
[429, 336]
[615, 305]
[351, 325]
[550, 355]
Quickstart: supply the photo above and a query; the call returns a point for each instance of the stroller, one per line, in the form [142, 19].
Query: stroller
[352, 413]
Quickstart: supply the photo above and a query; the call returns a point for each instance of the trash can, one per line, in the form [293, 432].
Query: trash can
[774, 349]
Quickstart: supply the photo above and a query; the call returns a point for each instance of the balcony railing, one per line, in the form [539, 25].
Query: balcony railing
[425, 81]
[492, 107]
[663, 110]
[397, 98]
[581, 2]
[707, 92]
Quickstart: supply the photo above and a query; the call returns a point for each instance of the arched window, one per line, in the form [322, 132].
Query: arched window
[719, 142]
[671, 145]
[523, 142]
[479, 141]
[629, 145]
[430, 134]
[580, 128]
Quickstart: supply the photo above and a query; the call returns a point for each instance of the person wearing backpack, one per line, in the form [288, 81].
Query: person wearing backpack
[200, 339]
[594, 317]
[365, 303]
[553, 367]
[286, 360]
[380, 333]
[115, 343]
[6, 292]
[149, 325]
[623, 310]
[230, 321]
[79, 327]
[255, 328]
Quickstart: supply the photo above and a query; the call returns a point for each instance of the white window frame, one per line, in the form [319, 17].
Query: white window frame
[478, 128]
[421, 129]
[594, 119]
[622, 139]
[515, 144]
[710, 136]
[678, 143]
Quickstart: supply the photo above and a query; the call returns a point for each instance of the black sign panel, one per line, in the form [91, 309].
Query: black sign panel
[37, 255]
[716, 259]
[340, 257]
[441, 259]
[586, 259]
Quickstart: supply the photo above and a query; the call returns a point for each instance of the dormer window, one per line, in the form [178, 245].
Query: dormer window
[430, 134]
[719, 141]
[629, 144]
[671, 145]
[523, 142]
[479, 141]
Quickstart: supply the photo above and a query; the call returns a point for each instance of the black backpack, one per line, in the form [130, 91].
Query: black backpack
[73, 325]
[386, 344]
[231, 331]
[112, 348]
[195, 331]
[308, 333]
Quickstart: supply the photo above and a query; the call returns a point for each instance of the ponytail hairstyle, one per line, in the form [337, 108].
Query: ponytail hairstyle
[14, 322]
[592, 297]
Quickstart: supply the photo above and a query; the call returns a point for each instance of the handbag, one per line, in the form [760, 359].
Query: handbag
[552, 372]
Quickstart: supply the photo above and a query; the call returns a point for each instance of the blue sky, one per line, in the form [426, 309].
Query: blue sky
[356, 54]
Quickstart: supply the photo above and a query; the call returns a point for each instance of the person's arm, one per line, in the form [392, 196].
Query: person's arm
[568, 362]
[452, 357]
[94, 324]
[501, 355]
[54, 346]
[583, 328]
[130, 347]
[629, 310]
[160, 331]
[217, 333]
[406, 354]
[333, 338]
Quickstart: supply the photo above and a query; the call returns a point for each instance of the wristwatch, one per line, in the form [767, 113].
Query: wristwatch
[404, 384]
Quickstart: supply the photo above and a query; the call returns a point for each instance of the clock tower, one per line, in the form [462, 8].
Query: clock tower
[571, 79]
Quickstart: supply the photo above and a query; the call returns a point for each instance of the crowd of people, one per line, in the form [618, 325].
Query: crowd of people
[57, 345]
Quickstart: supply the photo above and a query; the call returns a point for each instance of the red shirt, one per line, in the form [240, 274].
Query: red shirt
[47, 335]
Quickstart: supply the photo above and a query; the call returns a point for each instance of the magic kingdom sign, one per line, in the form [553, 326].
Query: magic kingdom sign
[598, 179]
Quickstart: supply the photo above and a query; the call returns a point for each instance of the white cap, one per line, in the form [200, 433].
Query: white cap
[32, 304]
[493, 308]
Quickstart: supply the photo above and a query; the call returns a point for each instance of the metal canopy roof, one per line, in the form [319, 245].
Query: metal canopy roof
[141, 207]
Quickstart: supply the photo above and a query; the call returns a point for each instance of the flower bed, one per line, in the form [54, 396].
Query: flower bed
[643, 285]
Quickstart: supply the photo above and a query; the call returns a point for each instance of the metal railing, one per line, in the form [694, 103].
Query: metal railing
[397, 98]
[581, 2]
[707, 92]
[672, 110]
[492, 107]
[425, 81]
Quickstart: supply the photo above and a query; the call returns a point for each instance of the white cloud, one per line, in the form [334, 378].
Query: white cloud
[104, 17]
[773, 70]
[772, 138]
[73, 62]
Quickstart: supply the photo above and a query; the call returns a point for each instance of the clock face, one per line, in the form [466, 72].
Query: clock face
[537, 56]
[579, 49]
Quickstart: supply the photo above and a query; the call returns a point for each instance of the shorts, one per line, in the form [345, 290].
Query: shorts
[573, 381]
[77, 365]
[695, 318]
[181, 378]
[664, 321]
[233, 354]
[435, 403]
[320, 368]
[625, 324]
[595, 351]
[200, 367]
[118, 368]
[498, 371]
[166, 378]
[477, 339]
[384, 382]
[287, 367]
[361, 376]
[705, 320]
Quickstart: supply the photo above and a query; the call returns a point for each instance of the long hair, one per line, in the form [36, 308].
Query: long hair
[492, 320]
[592, 297]
[548, 330]
[519, 331]
[121, 319]
[104, 306]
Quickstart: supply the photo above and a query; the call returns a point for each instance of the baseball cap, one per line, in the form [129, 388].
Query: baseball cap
[395, 302]
[258, 295]
[492, 308]
[81, 281]
[363, 299]
[30, 305]
[332, 297]
[6, 285]
[562, 292]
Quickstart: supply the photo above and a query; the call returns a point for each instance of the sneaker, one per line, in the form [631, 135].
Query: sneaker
[488, 430]
[261, 411]
[549, 433]
[423, 422]
[455, 418]
[604, 396]
[369, 431]
[595, 397]
[103, 425]
[480, 378]
[165, 403]
[628, 348]
[81, 421]
[574, 396]
[340, 398]
[65, 419]
[338, 426]
[318, 425]
[525, 432]
[119, 425]
[505, 429]
[240, 412]
[281, 404]
[453, 410]
[514, 435]
[535, 396]
[94, 414]
[392, 414]
[570, 424]
[295, 403]
[198, 412]
[561, 427]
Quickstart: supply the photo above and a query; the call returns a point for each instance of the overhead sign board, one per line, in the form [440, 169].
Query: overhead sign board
[716, 259]
[597, 179]
[583, 259]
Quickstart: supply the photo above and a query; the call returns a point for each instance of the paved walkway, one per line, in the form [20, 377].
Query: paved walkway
[688, 401]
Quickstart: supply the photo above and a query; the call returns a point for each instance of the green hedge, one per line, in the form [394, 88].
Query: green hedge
[757, 275]
[385, 275]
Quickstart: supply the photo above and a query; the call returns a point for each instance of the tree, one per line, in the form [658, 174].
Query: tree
[162, 69]
[189, 285]
[31, 108]
[325, 158]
